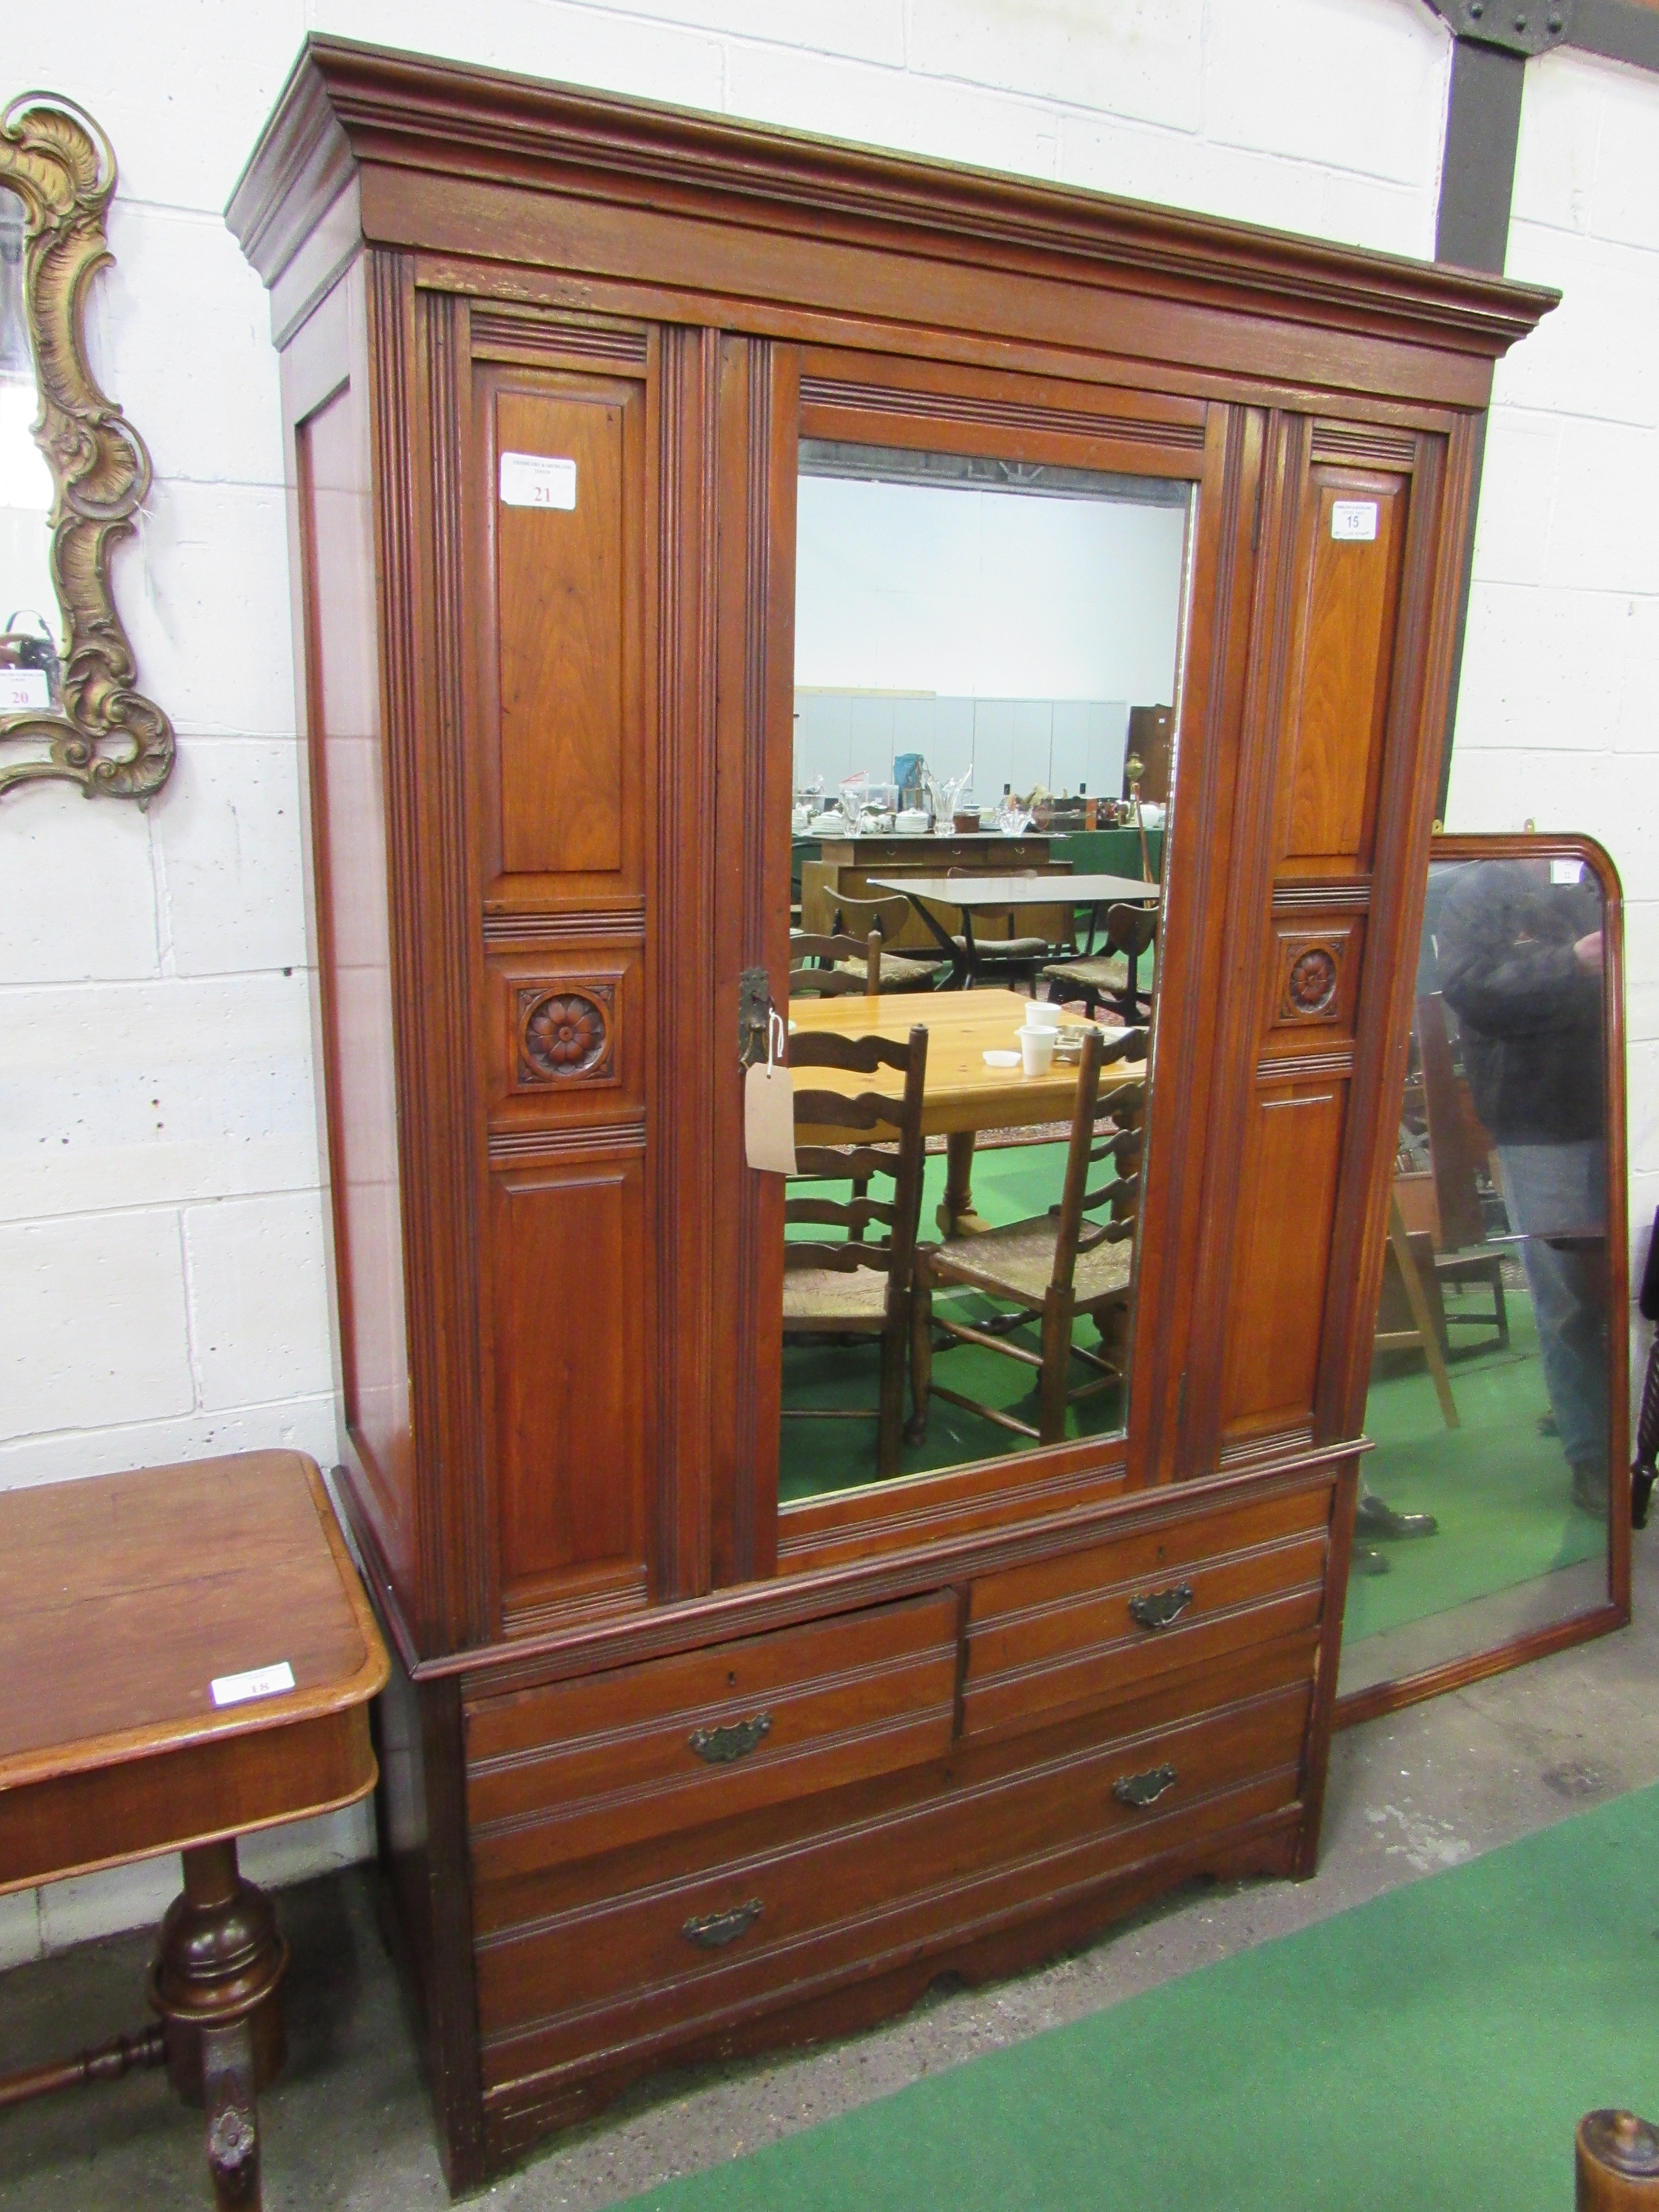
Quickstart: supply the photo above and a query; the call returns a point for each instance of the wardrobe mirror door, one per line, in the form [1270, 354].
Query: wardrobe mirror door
[1489, 1509]
[985, 665]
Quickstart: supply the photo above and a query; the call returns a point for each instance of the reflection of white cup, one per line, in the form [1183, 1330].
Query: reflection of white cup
[1036, 1047]
[1041, 1015]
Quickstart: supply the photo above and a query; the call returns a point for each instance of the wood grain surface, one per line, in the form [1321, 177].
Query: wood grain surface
[961, 1092]
[122, 1597]
[586, 771]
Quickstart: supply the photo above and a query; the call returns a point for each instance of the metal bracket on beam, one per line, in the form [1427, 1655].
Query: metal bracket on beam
[1514, 26]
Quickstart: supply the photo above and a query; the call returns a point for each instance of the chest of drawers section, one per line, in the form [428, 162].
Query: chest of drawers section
[666, 1855]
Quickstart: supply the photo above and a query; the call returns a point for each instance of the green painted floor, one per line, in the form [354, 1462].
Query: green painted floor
[1434, 2048]
[1011, 1183]
[1499, 1490]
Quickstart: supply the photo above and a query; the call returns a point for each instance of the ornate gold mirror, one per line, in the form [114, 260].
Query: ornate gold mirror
[73, 473]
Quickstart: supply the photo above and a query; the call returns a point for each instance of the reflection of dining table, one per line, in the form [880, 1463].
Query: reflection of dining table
[962, 1094]
[972, 895]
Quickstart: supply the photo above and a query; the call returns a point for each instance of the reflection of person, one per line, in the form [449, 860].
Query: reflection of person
[1521, 965]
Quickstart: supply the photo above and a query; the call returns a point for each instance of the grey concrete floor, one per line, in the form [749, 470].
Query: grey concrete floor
[348, 2125]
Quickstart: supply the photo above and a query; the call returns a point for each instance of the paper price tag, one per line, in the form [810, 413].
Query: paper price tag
[537, 480]
[1566, 871]
[258, 1682]
[768, 1106]
[24, 690]
[769, 1119]
[1353, 521]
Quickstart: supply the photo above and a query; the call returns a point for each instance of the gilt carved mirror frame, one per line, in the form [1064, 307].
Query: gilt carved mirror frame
[101, 733]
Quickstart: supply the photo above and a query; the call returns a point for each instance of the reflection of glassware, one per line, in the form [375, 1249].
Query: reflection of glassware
[853, 789]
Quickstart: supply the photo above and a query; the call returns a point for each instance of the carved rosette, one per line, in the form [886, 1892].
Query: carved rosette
[59, 163]
[1311, 983]
[565, 1032]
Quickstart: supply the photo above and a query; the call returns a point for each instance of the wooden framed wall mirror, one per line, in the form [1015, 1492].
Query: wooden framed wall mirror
[1493, 1523]
[73, 474]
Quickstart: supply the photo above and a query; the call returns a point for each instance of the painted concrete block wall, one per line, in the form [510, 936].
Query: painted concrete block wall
[1558, 719]
[162, 1280]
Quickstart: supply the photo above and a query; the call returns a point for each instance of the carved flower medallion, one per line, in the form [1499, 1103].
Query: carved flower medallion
[1310, 987]
[564, 1033]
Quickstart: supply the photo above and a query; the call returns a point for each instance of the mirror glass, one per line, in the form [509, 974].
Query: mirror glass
[31, 624]
[1484, 1508]
[986, 665]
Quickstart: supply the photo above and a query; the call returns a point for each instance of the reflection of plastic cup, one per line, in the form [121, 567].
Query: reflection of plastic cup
[1041, 1015]
[1036, 1048]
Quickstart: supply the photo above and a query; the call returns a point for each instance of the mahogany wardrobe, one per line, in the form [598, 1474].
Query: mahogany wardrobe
[668, 1769]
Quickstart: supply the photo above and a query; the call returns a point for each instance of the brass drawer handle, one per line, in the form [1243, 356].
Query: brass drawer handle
[720, 1746]
[1143, 1789]
[1161, 1608]
[714, 1931]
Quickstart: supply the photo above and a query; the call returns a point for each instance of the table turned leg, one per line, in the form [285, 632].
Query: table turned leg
[215, 1983]
[956, 1215]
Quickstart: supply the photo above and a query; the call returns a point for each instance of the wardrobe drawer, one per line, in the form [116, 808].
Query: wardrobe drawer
[702, 1928]
[578, 1767]
[1066, 1635]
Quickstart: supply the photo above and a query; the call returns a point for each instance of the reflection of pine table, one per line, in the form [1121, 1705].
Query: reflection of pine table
[123, 1601]
[961, 1095]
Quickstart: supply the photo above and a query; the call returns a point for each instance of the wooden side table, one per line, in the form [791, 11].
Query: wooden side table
[187, 1655]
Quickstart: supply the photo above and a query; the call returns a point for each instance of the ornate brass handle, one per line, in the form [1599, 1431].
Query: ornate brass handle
[720, 1746]
[714, 1931]
[1140, 1791]
[1161, 1608]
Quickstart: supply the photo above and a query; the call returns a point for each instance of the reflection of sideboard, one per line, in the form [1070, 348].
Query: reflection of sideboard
[845, 866]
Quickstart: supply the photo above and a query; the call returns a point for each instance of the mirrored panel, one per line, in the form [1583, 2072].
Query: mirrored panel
[1497, 1398]
[986, 658]
[31, 623]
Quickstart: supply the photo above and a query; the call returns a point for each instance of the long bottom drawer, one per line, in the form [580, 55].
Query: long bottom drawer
[621, 1954]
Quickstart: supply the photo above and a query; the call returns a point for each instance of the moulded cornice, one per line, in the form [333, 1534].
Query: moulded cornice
[348, 106]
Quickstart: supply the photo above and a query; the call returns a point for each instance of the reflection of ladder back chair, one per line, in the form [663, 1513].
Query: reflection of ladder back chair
[885, 918]
[1112, 976]
[858, 1284]
[1061, 1265]
[1009, 959]
[834, 966]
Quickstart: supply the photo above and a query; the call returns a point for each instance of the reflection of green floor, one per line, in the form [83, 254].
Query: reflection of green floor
[814, 1456]
[1433, 2048]
[1499, 1491]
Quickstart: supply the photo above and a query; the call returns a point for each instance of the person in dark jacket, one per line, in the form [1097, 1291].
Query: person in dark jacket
[1520, 960]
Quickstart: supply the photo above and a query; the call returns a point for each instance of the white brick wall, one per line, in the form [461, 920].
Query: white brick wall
[1559, 712]
[160, 1224]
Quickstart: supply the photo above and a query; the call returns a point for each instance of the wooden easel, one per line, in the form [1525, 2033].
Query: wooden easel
[1421, 1335]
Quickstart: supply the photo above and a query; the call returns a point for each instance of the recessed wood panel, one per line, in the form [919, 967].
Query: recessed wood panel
[349, 851]
[560, 582]
[1341, 662]
[1313, 981]
[1276, 1304]
[565, 1029]
[568, 1343]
